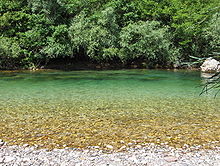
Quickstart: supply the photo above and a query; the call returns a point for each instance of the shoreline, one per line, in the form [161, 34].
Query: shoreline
[89, 69]
[151, 155]
[80, 65]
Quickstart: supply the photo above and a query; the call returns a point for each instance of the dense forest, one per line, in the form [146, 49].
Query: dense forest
[153, 33]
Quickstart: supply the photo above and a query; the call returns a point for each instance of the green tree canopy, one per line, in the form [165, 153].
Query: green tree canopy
[156, 32]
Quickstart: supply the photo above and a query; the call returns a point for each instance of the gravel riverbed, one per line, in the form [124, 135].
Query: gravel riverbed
[151, 155]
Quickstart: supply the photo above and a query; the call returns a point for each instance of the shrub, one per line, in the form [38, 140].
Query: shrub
[9, 53]
[147, 41]
[212, 34]
[95, 36]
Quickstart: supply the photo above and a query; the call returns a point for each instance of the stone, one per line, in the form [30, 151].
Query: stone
[26, 159]
[122, 142]
[134, 159]
[109, 146]
[95, 147]
[210, 65]
[206, 76]
[1, 142]
[25, 145]
[1, 160]
[170, 159]
[130, 144]
[123, 148]
[8, 159]
[78, 164]
[98, 67]
[138, 146]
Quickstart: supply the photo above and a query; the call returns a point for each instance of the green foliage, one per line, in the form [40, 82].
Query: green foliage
[148, 41]
[187, 20]
[212, 34]
[14, 22]
[9, 53]
[54, 10]
[58, 44]
[95, 36]
[103, 30]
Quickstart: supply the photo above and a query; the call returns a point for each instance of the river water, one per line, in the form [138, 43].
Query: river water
[98, 108]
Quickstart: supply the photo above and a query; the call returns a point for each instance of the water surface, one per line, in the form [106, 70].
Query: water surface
[90, 108]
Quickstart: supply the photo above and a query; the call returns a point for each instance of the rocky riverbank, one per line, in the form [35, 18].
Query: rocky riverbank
[151, 155]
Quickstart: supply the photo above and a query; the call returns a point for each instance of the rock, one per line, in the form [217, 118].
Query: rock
[122, 142]
[98, 67]
[122, 148]
[130, 144]
[152, 155]
[138, 146]
[109, 146]
[1, 160]
[210, 65]
[25, 145]
[8, 159]
[207, 75]
[134, 66]
[95, 147]
[134, 159]
[170, 159]
[26, 160]
[78, 164]
[1, 142]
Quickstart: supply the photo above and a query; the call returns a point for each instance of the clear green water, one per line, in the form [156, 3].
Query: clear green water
[88, 108]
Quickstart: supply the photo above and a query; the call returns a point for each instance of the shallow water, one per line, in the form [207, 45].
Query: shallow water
[89, 108]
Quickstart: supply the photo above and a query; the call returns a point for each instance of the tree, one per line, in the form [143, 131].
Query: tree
[96, 35]
[148, 41]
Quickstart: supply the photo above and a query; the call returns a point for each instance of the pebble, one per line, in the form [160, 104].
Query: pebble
[25, 145]
[9, 159]
[150, 154]
[1, 142]
[122, 142]
[171, 159]
[134, 159]
[1, 160]
[123, 148]
[139, 146]
[130, 144]
[109, 146]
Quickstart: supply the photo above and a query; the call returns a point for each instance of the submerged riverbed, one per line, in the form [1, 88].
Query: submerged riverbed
[98, 108]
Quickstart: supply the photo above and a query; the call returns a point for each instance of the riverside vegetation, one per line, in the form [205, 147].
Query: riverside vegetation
[150, 32]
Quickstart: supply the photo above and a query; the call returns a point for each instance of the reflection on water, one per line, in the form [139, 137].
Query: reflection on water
[88, 108]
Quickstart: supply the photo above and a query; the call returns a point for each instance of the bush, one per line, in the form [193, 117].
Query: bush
[9, 53]
[147, 41]
[95, 36]
[58, 44]
[212, 34]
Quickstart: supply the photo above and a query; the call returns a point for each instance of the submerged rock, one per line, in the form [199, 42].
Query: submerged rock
[109, 147]
[206, 76]
[210, 65]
